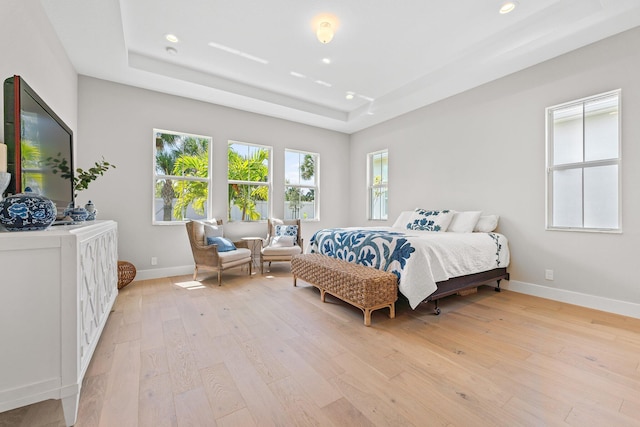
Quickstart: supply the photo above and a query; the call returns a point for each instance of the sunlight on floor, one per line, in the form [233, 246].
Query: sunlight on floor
[190, 285]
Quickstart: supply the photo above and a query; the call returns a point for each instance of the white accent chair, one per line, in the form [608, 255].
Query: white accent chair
[273, 250]
[207, 257]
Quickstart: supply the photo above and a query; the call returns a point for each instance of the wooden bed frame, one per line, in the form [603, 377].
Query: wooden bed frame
[456, 284]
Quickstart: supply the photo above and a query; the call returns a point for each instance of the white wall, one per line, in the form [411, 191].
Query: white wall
[29, 47]
[485, 149]
[117, 122]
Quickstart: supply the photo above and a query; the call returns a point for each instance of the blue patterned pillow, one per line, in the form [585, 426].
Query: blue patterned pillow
[224, 245]
[286, 230]
[425, 220]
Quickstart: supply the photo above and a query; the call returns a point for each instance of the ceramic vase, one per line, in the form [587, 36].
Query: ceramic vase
[92, 212]
[27, 211]
[78, 214]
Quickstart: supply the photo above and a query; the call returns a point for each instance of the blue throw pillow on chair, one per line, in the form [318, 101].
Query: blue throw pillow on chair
[287, 230]
[224, 244]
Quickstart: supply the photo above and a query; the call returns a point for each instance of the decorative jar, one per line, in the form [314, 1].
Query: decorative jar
[78, 214]
[91, 211]
[27, 211]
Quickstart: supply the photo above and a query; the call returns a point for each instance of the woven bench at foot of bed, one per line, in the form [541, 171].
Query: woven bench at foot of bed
[367, 288]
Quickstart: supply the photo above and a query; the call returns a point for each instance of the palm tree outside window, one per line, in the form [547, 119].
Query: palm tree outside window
[249, 179]
[181, 176]
[301, 185]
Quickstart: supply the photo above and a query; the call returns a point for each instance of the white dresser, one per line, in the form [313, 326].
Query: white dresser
[57, 288]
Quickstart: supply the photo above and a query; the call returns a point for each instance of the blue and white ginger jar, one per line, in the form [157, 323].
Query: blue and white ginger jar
[78, 214]
[91, 211]
[27, 211]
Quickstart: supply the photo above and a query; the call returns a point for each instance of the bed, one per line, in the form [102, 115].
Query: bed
[429, 263]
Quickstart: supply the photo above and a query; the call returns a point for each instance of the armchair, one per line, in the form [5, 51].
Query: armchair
[208, 257]
[275, 249]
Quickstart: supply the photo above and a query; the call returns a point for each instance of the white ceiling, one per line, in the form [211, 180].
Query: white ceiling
[395, 55]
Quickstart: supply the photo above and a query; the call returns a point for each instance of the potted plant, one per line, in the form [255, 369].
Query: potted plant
[81, 180]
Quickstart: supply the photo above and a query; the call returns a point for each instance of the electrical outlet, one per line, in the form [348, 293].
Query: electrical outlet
[548, 274]
[154, 260]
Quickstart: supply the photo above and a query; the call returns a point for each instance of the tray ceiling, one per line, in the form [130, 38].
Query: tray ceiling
[263, 56]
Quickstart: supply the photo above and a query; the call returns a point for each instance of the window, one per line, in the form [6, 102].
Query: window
[583, 164]
[378, 182]
[301, 185]
[249, 180]
[181, 176]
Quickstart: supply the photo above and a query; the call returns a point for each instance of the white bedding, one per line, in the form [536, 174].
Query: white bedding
[420, 259]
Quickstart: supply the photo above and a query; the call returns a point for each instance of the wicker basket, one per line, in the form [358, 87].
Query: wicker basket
[126, 273]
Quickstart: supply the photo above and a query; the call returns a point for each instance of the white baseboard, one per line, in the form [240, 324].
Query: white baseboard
[158, 273]
[576, 298]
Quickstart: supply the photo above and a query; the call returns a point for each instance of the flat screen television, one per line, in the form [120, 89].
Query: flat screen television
[34, 133]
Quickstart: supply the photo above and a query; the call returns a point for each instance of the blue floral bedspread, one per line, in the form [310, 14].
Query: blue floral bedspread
[384, 250]
[419, 259]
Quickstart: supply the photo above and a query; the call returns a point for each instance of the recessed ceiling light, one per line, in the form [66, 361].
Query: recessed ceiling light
[171, 50]
[507, 7]
[326, 60]
[350, 95]
[172, 38]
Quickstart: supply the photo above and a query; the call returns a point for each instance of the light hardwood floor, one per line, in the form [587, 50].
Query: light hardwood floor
[257, 351]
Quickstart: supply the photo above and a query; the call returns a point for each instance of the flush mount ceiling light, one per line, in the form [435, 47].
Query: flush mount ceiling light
[507, 7]
[325, 27]
[172, 38]
[325, 32]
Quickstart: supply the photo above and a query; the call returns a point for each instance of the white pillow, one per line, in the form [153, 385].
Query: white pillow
[487, 223]
[212, 229]
[282, 241]
[276, 221]
[403, 220]
[464, 222]
[424, 220]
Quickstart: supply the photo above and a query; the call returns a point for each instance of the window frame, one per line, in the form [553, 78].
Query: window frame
[268, 183]
[371, 186]
[551, 167]
[315, 187]
[157, 177]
